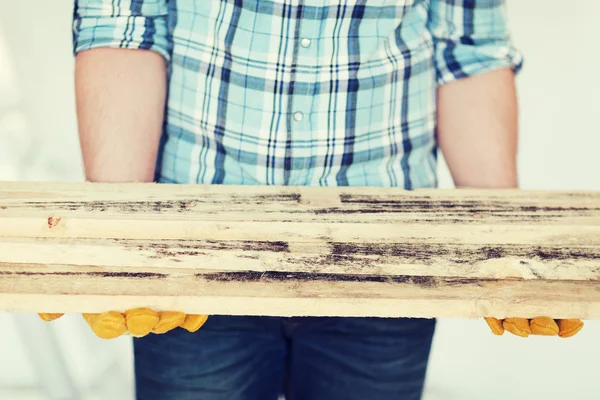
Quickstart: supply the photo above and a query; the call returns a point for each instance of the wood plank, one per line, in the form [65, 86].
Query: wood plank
[267, 250]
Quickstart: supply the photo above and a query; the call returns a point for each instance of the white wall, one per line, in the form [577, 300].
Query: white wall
[37, 35]
[559, 149]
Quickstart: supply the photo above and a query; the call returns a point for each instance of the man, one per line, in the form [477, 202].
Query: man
[294, 92]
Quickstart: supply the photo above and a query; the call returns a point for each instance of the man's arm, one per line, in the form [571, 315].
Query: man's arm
[120, 102]
[120, 83]
[477, 130]
[477, 106]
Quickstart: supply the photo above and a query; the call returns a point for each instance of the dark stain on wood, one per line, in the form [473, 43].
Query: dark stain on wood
[429, 253]
[157, 206]
[162, 250]
[271, 276]
[449, 211]
[275, 198]
[185, 206]
[178, 248]
[493, 252]
[426, 205]
[296, 277]
[126, 275]
[124, 206]
[260, 199]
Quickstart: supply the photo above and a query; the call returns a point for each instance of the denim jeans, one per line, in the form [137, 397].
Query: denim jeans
[258, 358]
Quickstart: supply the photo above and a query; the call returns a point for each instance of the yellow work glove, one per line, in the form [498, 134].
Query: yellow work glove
[138, 322]
[537, 326]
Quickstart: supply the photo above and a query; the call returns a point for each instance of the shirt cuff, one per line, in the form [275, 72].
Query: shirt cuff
[123, 32]
[456, 60]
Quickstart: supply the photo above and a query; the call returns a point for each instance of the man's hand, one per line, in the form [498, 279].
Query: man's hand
[543, 326]
[138, 322]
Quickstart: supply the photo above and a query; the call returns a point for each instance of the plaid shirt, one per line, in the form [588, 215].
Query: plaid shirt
[303, 92]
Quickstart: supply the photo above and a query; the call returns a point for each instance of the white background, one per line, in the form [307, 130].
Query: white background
[559, 149]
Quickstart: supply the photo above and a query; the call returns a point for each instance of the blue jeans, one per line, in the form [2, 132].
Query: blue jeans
[257, 358]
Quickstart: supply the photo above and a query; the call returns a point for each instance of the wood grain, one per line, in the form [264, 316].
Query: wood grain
[267, 250]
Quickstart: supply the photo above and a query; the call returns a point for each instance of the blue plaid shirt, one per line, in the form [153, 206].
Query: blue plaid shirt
[303, 92]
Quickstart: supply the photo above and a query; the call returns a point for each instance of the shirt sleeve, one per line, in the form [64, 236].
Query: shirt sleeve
[471, 37]
[125, 24]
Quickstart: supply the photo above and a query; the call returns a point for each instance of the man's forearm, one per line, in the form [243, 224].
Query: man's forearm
[477, 130]
[120, 96]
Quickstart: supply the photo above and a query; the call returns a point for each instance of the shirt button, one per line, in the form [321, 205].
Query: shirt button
[305, 42]
[298, 116]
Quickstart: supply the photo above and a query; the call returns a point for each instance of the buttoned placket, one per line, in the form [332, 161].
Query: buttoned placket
[303, 101]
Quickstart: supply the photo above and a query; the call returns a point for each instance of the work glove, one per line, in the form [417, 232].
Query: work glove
[138, 322]
[537, 326]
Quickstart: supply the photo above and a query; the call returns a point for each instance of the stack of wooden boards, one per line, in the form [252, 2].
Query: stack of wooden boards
[297, 251]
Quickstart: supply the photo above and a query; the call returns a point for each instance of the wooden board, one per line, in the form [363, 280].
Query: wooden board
[267, 250]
